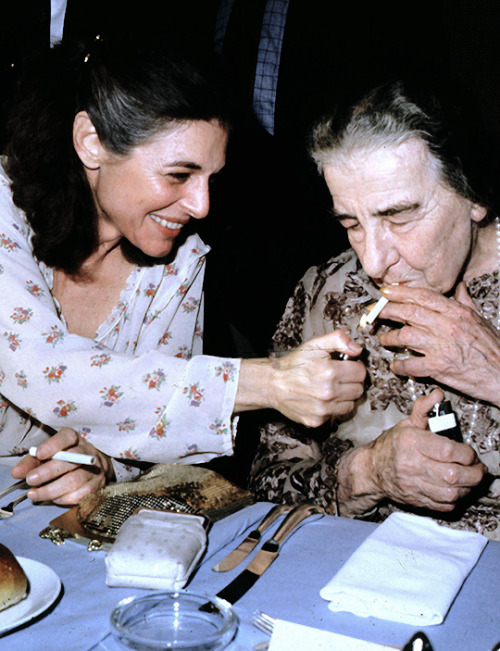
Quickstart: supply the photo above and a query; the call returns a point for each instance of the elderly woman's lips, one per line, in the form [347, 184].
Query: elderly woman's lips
[381, 283]
[173, 226]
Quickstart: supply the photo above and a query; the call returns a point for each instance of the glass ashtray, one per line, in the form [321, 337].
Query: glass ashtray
[180, 620]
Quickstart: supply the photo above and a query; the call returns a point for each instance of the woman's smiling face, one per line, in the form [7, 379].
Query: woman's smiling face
[149, 195]
[405, 224]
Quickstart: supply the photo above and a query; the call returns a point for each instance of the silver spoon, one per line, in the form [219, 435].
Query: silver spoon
[8, 511]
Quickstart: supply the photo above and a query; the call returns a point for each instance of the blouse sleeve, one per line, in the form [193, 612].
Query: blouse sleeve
[293, 469]
[151, 406]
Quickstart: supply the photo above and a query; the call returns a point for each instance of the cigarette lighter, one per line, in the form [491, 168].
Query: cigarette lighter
[442, 421]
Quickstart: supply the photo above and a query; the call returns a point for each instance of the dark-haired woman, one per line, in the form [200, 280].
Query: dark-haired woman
[110, 159]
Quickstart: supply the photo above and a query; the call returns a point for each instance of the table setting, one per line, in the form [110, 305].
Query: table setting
[286, 576]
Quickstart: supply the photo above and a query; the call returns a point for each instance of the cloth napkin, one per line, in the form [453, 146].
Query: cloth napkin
[296, 637]
[408, 570]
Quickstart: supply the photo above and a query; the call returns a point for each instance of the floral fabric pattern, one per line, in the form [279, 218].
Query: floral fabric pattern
[141, 389]
[295, 464]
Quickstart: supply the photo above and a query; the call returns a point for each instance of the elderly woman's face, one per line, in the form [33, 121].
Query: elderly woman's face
[404, 223]
[149, 195]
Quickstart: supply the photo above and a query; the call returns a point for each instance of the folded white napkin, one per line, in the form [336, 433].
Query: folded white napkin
[408, 570]
[296, 637]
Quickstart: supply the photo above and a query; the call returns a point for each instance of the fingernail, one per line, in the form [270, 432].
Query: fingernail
[385, 290]
[32, 477]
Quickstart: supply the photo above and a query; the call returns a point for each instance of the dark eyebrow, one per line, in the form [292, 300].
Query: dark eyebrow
[386, 212]
[338, 215]
[398, 208]
[183, 163]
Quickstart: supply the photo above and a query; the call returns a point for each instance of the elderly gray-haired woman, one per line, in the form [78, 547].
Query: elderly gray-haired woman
[415, 189]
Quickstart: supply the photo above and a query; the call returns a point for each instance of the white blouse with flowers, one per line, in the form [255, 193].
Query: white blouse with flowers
[141, 389]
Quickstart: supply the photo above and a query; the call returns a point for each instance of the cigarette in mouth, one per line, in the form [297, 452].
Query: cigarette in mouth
[368, 318]
[72, 457]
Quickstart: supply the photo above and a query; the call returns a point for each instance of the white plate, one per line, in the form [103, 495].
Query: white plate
[44, 588]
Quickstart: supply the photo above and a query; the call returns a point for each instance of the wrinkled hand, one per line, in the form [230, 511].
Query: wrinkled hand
[457, 347]
[310, 387]
[410, 465]
[60, 481]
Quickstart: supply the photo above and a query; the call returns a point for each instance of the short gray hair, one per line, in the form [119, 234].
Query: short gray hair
[394, 113]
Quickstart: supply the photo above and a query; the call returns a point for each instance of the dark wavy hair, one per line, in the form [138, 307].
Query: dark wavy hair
[131, 89]
[443, 116]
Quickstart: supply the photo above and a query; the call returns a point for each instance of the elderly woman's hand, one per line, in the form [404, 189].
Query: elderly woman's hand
[60, 481]
[306, 384]
[456, 346]
[409, 465]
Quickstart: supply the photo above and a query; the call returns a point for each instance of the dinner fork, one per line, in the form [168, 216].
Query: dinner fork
[263, 622]
[8, 511]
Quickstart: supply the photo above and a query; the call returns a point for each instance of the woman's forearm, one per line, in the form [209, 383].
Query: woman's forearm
[306, 385]
[254, 385]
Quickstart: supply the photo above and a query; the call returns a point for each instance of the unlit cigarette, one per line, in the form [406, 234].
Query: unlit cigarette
[72, 457]
[368, 319]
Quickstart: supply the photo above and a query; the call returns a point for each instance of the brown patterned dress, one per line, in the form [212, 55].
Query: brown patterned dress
[295, 464]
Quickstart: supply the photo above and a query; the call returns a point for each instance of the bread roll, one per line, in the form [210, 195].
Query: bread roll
[13, 580]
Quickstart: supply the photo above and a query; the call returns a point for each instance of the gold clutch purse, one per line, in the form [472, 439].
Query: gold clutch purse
[164, 487]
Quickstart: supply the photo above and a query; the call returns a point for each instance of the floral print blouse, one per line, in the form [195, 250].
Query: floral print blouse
[140, 390]
[295, 464]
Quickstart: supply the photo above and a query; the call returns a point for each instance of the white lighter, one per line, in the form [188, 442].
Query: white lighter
[442, 421]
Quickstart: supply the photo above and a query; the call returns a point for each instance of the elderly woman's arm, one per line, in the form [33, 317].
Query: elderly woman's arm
[292, 467]
[408, 464]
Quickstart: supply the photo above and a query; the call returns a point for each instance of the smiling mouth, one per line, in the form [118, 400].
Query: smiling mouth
[173, 226]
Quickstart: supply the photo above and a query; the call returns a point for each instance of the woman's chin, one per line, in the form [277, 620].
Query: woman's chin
[147, 255]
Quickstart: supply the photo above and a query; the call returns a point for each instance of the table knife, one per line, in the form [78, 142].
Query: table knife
[253, 538]
[268, 552]
[18, 484]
